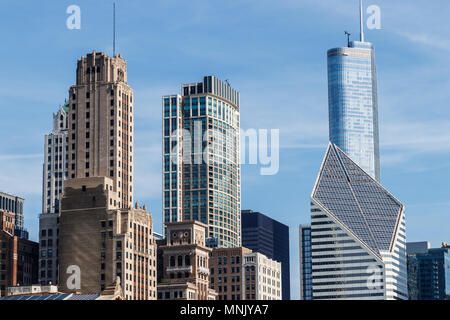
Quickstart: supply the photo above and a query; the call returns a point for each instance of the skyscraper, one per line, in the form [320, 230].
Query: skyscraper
[428, 272]
[305, 263]
[55, 169]
[55, 172]
[358, 234]
[101, 124]
[270, 237]
[201, 171]
[101, 236]
[353, 103]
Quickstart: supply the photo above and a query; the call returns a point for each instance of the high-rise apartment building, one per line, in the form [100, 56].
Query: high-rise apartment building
[261, 278]
[358, 234]
[270, 237]
[103, 242]
[227, 272]
[428, 272]
[55, 172]
[305, 263]
[14, 205]
[353, 103]
[201, 170]
[101, 124]
[184, 263]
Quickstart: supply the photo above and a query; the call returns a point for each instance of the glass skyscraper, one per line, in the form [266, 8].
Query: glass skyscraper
[429, 274]
[201, 170]
[305, 263]
[270, 237]
[353, 103]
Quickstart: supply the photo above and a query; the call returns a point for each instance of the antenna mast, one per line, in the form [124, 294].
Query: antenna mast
[361, 21]
[114, 29]
[348, 38]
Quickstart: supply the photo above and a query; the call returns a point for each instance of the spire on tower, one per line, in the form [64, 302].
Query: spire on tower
[361, 21]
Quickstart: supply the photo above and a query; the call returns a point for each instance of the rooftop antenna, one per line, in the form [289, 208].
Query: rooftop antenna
[348, 38]
[361, 21]
[114, 29]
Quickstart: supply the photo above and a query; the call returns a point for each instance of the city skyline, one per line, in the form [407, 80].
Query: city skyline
[397, 165]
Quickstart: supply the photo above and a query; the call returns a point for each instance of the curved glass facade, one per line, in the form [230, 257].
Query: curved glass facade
[201, 170]
[353, 104]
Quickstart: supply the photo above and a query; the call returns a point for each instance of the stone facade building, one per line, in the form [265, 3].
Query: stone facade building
[261, 279]
[14, 205]
[101, 242]
[48, 248]
[227, 273]
[18, 261]
[101, 124]
[183, 263]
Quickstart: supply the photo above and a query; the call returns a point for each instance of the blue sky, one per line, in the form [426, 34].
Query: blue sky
[274, 53]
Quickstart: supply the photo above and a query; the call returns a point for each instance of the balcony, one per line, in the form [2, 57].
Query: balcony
[179, 269]
[203, 270]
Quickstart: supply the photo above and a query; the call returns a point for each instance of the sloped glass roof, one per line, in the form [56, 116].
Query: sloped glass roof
[357, 200]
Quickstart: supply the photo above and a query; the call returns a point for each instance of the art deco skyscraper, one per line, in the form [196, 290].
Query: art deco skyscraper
[358, 234]
[201, 170]
[101, 124]
[102, 237]
[55, 172]
[353, 103]
[56, 160]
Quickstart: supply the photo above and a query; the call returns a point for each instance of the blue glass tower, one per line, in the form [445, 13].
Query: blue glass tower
[353, 103]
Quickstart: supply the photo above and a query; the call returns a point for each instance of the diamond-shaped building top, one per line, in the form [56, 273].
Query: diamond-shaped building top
[358, 201]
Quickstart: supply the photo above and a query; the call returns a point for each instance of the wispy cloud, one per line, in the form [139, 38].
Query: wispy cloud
[429, 40]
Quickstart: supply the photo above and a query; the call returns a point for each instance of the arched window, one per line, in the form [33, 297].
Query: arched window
[180, 261]
[187, 260]
[172, 261]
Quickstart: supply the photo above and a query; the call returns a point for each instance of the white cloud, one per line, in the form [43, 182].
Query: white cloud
[429, 40]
